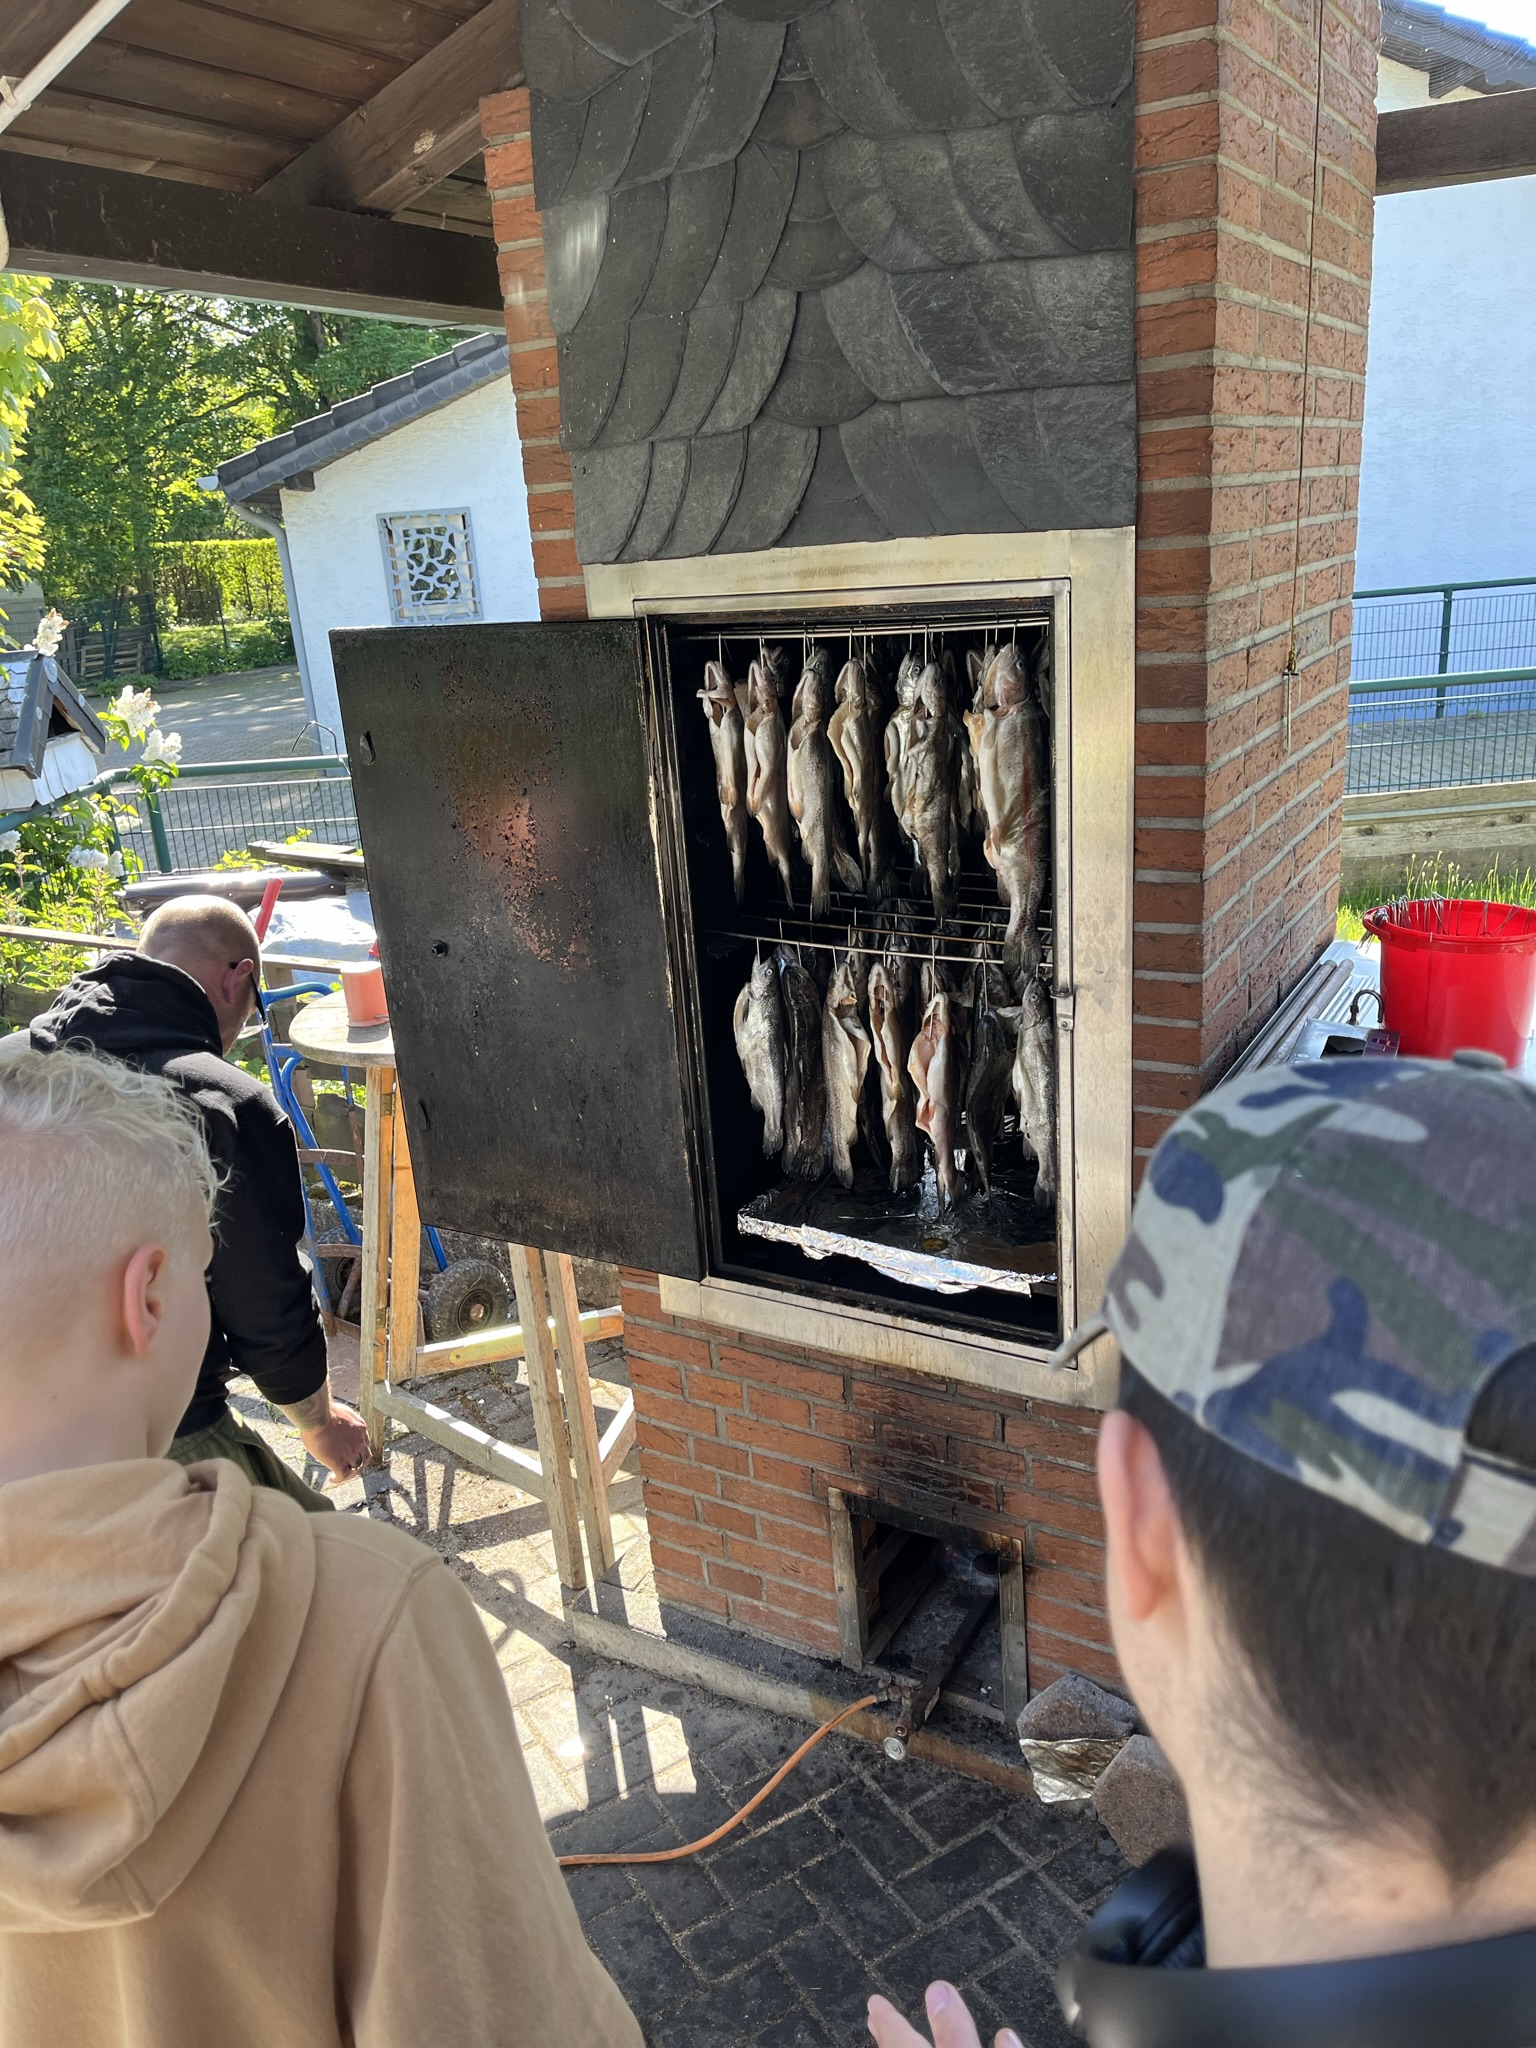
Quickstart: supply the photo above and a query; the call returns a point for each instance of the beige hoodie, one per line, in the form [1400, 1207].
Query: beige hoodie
[259, 1784]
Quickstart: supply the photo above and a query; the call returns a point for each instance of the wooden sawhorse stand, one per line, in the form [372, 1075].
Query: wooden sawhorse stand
[574, 1464]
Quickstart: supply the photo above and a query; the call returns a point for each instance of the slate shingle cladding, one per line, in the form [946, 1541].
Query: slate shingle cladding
[838, 271]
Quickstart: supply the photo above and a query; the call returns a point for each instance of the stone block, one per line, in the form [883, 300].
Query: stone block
[1141, 1802]
[1074, 1706]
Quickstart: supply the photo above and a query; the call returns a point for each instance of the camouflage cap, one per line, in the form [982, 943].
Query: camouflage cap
[1326, 1265]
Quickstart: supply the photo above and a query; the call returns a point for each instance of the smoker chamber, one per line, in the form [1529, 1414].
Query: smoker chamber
[991, 1258]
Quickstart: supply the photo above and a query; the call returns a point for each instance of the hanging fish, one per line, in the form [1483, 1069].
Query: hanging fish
[727, 737]
[936, 787]
[1034, 1085]
[987, 1083]
[898, 736]
[857, 732]
[935, 1066]
[805, 1087]
[758, 1024]
[1008, 740]
[845, 1058]
[767, 756]
[813, 799]
[898, 1110]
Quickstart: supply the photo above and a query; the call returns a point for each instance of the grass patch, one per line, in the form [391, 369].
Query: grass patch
[1440, 877]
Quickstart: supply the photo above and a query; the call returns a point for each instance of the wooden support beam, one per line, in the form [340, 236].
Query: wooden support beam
[618, 1438]
[477, 1447]
[1457, 142]
[419, 128]
[79, 221]
[586, 1452]
[378, 1179]
[548, 1415]
[492, 1347]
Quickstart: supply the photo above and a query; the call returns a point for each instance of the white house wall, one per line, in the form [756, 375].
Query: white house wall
[1448, 468]
[463, 457]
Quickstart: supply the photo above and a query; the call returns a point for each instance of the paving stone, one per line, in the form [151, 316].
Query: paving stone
[958, 1807]
[682, 1893]
[731, 2012]
[1083, 1873]
[958, 1951]
[961, 1873]
[735, 1763]
[641, 1957]
[907, 1784]
[616, 1824]
[1022, 1995]
[1041, 1832]
[595, 1890]
[751, 1862]
[865, 1912]
[862, 1817]
[797, 2030]
[831, 1978]
[749, 1930]
[1038, 1916]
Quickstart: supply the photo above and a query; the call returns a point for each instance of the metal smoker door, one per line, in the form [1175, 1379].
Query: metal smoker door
[503, 796]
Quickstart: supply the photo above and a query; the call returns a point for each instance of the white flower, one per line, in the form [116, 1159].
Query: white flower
[115, 864]
[137, 709]
[162, 746]
[50, 631]
[86, 857]
[9, 841]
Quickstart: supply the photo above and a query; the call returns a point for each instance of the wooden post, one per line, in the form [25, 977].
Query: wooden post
[378, 1175]
[548, 1415]
[404, 1259]
[852, 1633]
[591, 1486]
[1010, 1614]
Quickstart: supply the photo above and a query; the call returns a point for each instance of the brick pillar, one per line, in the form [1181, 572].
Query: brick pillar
[535, 367]
[1239, 781]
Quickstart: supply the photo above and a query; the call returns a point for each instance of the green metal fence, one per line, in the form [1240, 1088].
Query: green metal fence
[1443, 686]
[218, 807]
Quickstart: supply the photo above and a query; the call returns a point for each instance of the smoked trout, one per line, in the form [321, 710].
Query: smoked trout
[727, 737]
[935, 1066]
[898, 1110]
[805, 1087]
[845, 1061]
[767, 755]
[1034, 1086]
[987, 1083]
[936, 787]
[1008, 740]
[857, 732]
[813, 799]
[759, 1026]
[898, 736]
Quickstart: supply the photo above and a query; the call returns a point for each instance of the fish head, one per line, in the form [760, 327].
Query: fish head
[1008, 683]
[852, 684]
[932, 697]
[763, 977]
[907, 677]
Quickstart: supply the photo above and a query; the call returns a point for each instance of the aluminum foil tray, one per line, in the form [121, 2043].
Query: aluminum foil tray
[1001, 1240]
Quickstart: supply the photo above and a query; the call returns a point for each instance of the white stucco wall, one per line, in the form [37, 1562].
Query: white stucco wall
[464, 457]
[1448, 466]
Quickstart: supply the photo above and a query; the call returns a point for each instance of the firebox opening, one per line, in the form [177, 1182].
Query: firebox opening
[931, 1607]
[977, 1242]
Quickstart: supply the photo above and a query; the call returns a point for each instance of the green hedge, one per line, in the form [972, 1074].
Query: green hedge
[198, 581]
[193, 651]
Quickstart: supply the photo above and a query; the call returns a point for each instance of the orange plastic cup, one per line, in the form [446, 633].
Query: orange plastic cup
[363, 987]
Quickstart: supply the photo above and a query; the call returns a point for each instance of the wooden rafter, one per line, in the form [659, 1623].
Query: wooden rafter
[80, 221]
[418, 129]
[1457, 142]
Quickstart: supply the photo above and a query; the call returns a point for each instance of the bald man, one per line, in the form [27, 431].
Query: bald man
[176, 1007]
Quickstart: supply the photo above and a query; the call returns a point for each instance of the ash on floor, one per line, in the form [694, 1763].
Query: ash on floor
[858, 1875]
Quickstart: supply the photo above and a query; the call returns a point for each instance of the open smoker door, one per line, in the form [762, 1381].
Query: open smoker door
[504, 800]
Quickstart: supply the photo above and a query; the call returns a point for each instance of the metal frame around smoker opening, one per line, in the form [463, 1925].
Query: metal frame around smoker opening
[1089, 579]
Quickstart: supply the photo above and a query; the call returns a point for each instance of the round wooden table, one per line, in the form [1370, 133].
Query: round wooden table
[391, 1223]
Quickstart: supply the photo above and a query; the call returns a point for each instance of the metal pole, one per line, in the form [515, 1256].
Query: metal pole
[279, 533]
[1447, 608]
[163, 859]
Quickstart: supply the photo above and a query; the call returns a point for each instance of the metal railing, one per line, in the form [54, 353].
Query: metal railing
[1443, 686]
[1444, 629]
[214, 808]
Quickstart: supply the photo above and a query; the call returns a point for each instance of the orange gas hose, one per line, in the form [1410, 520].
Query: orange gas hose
[736, 1819]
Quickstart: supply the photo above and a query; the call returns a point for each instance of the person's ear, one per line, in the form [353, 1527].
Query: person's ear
[1141, 1522]
[141, 1300]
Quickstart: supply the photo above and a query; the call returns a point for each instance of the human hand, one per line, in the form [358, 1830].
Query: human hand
[952, 2024]
[340, 1442]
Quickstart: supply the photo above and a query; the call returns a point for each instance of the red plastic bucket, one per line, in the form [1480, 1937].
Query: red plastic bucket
[1455, 974]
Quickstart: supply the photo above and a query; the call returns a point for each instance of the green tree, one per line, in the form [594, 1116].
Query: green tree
[27, 343]
[155, 389]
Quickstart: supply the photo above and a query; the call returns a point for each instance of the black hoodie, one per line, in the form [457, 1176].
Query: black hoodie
[265, 1318]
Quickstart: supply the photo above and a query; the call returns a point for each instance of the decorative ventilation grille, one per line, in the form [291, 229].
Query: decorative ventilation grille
[429, 565]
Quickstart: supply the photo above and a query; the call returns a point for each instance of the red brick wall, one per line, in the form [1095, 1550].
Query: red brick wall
[1237, 806]
[740, 1439]
[1237, 819]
